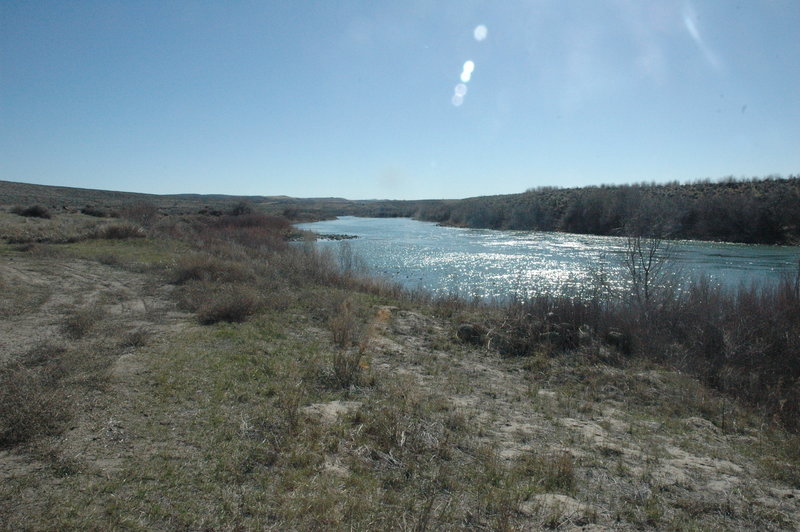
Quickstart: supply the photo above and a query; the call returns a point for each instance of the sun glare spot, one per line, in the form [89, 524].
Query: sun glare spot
[480, 32]
[466, 72]
[457, 100]
[461, 90]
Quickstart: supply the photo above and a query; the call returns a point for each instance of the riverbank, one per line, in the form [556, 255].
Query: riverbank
[201, 373]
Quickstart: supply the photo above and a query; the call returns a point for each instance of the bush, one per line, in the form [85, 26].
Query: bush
[120, 231]
[34, 211]
[344, 325]
[29, 405]
[97, 212]
[142, 213]
[233, 304]
[241, 208]
[206, 268]
[78, 324]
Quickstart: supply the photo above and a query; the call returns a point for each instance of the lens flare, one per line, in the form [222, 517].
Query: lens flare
[466, 71]
[480, 32]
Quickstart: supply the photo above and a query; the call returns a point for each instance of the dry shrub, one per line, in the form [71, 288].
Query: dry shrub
[30, 406]
[745, 342]
[230, 304]
[97, 212]
[348, 367]
[142, 213]
[257, 231]
[406, 427]
[34, 211]
[110, 259]
[344, 325]
[347, 333]
[553, 322]
[558, 473]
[80, 322]
[120, 231]
[136, 338]
[207, 268]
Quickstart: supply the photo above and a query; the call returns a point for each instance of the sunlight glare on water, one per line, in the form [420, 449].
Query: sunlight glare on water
[500, 264]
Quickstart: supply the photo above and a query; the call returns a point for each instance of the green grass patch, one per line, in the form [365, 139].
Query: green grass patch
[143, 252]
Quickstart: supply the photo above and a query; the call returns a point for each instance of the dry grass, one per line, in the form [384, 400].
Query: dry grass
[80, 322]
[31, 403]
[207, 268]
[345, 325]
[118, 231]
[275, 419]
[57, 229]
[231, 303]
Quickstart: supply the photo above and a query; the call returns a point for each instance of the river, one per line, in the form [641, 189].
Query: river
[498, 264]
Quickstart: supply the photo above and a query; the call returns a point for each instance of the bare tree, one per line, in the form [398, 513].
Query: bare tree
[646, 261]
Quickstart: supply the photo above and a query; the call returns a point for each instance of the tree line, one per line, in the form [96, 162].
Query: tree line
[764, 211]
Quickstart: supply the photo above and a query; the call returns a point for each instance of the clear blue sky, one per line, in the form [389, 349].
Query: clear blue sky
[361, 99]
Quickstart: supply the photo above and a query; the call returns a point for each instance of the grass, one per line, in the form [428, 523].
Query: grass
[31, 405]
[119, 231]
[230, 304]
[80, 322]
[315, 399]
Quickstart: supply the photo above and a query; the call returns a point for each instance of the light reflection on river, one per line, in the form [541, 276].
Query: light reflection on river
[486, 263]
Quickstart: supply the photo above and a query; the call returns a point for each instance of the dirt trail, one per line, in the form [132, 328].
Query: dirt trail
[55, 290]
[49, 293]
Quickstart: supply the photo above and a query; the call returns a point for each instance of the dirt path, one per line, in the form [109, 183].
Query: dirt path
[47, 292]
[124, 311]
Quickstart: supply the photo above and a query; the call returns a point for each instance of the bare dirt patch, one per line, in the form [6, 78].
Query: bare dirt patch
[631, 470]
[91, 325]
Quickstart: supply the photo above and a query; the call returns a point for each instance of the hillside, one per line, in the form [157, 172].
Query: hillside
[66, 199]
[194, 371]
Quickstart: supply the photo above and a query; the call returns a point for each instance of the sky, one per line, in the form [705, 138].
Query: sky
[395, 100]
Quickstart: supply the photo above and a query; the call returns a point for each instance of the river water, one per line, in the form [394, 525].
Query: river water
[499, 264]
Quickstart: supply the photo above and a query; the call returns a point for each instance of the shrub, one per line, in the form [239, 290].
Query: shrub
[34, 211]
[29, 405]
[233, 304]
[142, 213]
[241, 208]
[135, 338]
[97, 212]
[348, 365]
[203, 267]
[344, 325]
[78, 324]
[120, 231]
